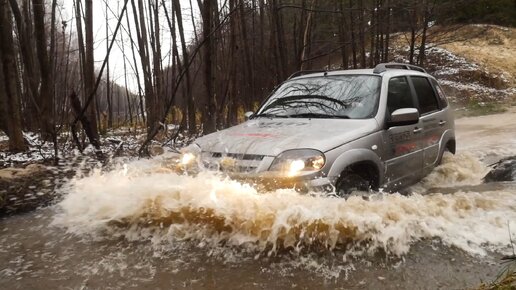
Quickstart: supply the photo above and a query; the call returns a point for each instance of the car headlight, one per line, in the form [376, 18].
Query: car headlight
[187, 158]
[189, 154]
[293, 162]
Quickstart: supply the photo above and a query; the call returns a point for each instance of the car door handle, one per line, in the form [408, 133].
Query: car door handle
[441, 123]
[417, 130]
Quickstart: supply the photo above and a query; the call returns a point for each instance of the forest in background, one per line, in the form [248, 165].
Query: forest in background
[239, 51]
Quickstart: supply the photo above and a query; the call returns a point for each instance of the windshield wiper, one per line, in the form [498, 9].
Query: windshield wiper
[318, 115]
[267, 115]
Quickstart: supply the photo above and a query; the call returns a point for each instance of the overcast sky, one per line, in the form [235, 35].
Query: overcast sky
[116, 57]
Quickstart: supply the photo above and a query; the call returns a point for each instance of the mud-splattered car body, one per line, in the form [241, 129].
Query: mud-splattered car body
[384, 127]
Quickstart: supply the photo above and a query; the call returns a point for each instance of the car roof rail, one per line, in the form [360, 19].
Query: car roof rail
[306, 72]
[380, 68]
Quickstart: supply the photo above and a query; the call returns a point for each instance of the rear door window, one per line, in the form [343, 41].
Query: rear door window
[399, 95]
[443, 103]
[425, 95]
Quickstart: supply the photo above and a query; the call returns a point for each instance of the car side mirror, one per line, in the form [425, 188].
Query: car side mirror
[248, 115]
[403, 117]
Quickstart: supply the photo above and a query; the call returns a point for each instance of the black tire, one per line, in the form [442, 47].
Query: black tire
[350, 182]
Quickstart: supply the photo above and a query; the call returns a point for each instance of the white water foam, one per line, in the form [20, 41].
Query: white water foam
[145, 200]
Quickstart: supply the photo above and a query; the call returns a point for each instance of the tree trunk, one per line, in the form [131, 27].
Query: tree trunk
[210, 121]
[46, 95]
[30, 75]
[306, 37]
[343, 37]
[108, 91]
[85, 121]
[278, 41]
[232, 101]
[150, 97]
[387, 33]
[372, 35]
[159, 96]
[89, 77]
[379, 32]
[352, 27]
[10, 109]
[249, 83]
[413, 21]
[127, 94]
[190, 102]
[361, 32]
[137, 74]
[141, 35]
[422, 47]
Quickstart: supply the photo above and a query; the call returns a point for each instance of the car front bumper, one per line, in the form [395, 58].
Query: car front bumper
[268, 181]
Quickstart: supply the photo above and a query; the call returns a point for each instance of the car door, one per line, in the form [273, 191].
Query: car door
[403, 148]
[433, 120]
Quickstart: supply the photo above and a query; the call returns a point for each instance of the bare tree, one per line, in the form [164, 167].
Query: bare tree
[46, 94]
[10, 122]
[190, 101]
[89, 65]
[306, 36]
[210, 120]
[422, 47]
[108, 90]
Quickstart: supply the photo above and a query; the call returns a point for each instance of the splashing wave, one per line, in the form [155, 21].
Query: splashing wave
[145, 200]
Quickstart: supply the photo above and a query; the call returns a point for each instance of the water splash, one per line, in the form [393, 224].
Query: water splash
[145, 200]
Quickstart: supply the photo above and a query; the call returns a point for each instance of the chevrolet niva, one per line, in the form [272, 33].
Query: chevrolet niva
[342, 131]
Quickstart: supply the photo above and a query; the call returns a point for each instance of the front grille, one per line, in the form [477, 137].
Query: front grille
[232, 162]
[238, 156]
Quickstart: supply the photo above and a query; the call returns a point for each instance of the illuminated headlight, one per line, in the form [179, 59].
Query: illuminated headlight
[294, 162]
[189, 154]
[187, 158]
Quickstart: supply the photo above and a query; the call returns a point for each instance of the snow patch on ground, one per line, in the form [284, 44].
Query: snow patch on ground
[468, 78]
[490, 93]
[121, 141]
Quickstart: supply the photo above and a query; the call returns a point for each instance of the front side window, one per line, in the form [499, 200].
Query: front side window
[399, 95]
[342, 96]
[425, 95]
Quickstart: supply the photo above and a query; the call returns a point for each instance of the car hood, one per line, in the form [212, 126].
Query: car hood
[272, 136]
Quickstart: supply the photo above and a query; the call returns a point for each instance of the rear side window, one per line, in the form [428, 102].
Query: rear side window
[425, 95]
[399, 95]
[443, 103]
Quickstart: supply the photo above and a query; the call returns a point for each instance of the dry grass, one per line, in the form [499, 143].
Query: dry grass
[493, 47]
[476, 63]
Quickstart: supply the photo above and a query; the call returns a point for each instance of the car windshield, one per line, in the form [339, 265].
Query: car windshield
[343, 96]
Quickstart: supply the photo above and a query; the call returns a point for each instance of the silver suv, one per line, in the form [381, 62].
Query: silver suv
[342, 130]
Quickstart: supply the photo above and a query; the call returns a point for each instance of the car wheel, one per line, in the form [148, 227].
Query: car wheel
[351, 182]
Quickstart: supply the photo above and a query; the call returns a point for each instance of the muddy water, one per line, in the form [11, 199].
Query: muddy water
[141, 226]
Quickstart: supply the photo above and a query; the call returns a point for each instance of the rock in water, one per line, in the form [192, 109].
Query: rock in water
[503, 170]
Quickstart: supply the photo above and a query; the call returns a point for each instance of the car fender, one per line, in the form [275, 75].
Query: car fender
[353, 156]
[446, 137]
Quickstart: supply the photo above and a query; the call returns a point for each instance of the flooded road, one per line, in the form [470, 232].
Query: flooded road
[142, 226]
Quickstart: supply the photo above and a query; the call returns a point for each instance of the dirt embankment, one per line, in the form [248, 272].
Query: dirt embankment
[474, 63]
[492, 47]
